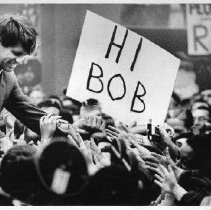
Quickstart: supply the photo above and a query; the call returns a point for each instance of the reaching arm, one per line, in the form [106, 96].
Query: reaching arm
[23, 109]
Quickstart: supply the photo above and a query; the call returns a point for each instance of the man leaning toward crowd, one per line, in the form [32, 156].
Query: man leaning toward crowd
[17, 39]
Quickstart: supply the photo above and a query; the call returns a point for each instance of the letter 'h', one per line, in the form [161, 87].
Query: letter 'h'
[117, 45]
[121, 47]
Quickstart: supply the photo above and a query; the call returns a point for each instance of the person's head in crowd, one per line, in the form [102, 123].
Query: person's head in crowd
[201, 152]
[50, 106]
[29, 76]
[18, 175]
[55, 97]
[201, 118]
[199, 103]
[181, 123]
[71, 105]
[61, 167]
[115, 185]
[37, 95]
[177, 124]
[206, 95]
[17, 39]
[185, 151]
[90, 107]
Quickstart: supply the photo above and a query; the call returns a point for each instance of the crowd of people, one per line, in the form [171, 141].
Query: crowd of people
[59, 151]
[95, 160]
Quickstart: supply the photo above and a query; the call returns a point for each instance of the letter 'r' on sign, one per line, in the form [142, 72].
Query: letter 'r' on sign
[199, 29]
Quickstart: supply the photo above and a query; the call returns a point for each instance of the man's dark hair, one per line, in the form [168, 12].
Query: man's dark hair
[16, 29]
[50, 103]
[55, 97]
[206, 109]
[91, 102]
[18, 176]
[200, 100]
[184, 135]
[66, 98]
[201, 145]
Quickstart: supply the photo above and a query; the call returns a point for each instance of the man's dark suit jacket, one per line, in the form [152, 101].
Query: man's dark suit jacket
[21, 106]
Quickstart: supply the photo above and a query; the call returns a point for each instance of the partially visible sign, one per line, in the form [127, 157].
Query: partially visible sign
[132, 77]
[199, 29]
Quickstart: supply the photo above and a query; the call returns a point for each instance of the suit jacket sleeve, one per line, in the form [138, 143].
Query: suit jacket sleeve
[23, 109]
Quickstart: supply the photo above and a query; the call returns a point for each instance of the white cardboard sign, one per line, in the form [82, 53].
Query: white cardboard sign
[132, 77]
[199, 29]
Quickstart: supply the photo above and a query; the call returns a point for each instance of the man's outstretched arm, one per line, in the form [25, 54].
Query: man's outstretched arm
[23, 109]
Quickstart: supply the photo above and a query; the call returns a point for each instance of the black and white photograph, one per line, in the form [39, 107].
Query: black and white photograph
[105, 103]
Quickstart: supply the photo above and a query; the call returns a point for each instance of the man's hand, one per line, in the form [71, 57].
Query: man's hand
[48, 126]
[143, 152]
[114, 133]
[165, 137]
[89, 124]
[166, 179]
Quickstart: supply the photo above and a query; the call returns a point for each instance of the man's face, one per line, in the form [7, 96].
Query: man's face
[71, 107]
[37, 96]
[10, 57]
[200, 117]
[206, 95]
[177, 124]
[185, 149]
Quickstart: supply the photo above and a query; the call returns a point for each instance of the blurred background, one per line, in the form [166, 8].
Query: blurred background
[60, 25]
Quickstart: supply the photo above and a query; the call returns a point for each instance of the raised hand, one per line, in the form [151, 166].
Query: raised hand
[90, 124]
[48, 126]
[123, 127]
[166, 179]
[165, 137]
[176, 169]
[143, 152]
[155, 159]
[114, 132]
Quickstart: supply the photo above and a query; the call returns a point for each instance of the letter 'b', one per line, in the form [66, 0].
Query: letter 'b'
[99, 90]
[136, 96]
